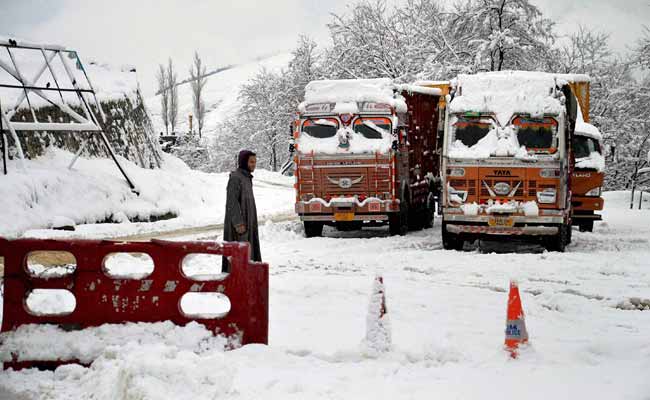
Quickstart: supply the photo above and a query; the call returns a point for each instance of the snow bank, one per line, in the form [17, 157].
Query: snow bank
[49, 342]
[94, 191]
[378, 90]
[506, 93]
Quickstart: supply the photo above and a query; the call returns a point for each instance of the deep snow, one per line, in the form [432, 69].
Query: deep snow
[447, 312]
[46, 192]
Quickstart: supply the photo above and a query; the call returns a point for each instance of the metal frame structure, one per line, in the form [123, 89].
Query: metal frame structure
[88, 122]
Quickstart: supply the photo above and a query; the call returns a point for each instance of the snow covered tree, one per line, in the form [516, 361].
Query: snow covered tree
[198, 81]
[172, 87]
[643, 49]
[161, 78]
[509, 34]
[373, 41]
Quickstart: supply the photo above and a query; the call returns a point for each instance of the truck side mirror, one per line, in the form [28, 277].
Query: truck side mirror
[292, 148]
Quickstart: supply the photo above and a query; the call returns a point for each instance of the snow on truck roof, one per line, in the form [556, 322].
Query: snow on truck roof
[505, 93]
[351, 91]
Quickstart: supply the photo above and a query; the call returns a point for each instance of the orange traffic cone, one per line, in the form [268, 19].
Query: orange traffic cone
[515, 323]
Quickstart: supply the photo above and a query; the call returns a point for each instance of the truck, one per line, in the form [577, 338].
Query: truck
[364, 153]
[588, 175]
[507, 157]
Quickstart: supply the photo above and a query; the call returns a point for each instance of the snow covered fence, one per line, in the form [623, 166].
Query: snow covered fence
[79, 284]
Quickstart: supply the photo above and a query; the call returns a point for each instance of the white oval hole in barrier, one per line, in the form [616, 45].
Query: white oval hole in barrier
[128, 265]
[205, 305]
[50, 263]
[204, 267]
[46, 302]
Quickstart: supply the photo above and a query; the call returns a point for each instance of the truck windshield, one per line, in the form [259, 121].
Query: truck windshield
[583, 146]
[320, 128]
[470, 130]
[537, 134]
[372, 128]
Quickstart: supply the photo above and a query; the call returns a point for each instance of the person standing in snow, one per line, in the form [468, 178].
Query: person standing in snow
[240, 223]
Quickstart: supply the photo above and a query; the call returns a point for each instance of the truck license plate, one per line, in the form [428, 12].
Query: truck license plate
[501, 222]
[344, 216]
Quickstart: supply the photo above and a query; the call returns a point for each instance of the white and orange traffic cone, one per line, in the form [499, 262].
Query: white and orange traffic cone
[516, 332]
[378, 333]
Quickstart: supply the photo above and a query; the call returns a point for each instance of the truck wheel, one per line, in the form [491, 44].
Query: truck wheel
[559, 242]
[313, 229]
[451, 241]
[398, 223]
[587, 226]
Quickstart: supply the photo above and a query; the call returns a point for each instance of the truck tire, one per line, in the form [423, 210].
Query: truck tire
[586, 226]
[558, 242]
[313, 229]
[429, 212]
[398, 223]
[451, 241]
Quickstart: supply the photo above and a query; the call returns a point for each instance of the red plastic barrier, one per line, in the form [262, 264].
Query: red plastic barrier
[102, 299]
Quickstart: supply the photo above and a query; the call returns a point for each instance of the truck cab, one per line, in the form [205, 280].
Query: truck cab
[588, 176]
[507, 159]
[364, 153]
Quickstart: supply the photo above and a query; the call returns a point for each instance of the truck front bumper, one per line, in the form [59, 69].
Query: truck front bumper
[521, 225]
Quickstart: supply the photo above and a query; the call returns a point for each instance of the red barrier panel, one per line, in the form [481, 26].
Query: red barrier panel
[102, 299]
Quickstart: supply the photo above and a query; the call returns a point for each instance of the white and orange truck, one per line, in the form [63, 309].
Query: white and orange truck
[508, 163]
[365, 155]
[589, 172]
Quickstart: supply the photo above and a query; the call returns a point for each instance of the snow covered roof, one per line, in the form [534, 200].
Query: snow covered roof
[341, 91]
[505, 93]
[419, 89]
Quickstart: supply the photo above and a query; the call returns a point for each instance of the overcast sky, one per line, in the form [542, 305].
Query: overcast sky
[145, 32]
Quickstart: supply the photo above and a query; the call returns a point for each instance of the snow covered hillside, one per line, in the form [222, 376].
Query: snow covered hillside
[221, 94]
[46, 192]
[587, 313]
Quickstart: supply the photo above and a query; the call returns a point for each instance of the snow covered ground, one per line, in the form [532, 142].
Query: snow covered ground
[447, 312]
[221, 95]
[46, 192]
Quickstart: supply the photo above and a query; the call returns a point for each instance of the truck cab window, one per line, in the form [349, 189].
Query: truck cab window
[321, 128]
[583, 146]
[536, 133]
[372, 128]
[471, 130]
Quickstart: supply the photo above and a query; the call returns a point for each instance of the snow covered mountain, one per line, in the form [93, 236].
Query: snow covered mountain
[221, 94]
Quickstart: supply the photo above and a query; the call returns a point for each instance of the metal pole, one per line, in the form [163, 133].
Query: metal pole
[4, 144]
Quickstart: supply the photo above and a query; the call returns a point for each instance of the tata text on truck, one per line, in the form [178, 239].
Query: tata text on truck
[507, 160]
[588, 174]
[365, 155]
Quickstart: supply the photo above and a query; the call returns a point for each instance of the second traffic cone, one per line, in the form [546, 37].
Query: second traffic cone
[378, 331]
[516, 332]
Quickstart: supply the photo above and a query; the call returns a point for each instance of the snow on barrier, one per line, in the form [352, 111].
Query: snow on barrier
[91, 283]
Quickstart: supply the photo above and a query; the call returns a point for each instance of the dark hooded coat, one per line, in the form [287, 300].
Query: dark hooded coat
[241, 209]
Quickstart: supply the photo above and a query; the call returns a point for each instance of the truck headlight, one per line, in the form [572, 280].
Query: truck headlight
[456, 172]
[595, 192]
[462, 194]
[549, 173]
[547, 196]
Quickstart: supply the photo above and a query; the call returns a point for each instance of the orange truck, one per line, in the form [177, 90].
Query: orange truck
[588, 175]
[507, 163]
[365, 155]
